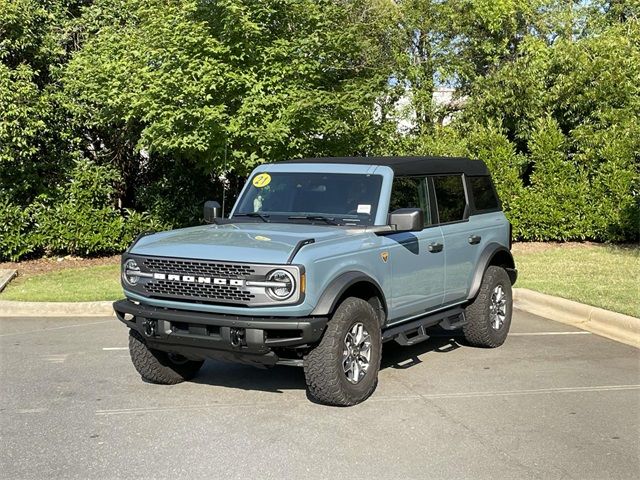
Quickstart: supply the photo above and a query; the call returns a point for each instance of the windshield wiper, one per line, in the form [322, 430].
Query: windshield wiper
[262, 216]
[322, 218]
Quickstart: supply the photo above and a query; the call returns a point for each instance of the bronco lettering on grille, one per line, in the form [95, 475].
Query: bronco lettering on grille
[194, 279]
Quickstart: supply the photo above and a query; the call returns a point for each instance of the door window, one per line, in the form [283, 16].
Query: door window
[484, 196]
[410, 192]
[451, 198]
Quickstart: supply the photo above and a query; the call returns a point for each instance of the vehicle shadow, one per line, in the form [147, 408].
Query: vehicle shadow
[281, 378]
[403, 357]
[246, 377]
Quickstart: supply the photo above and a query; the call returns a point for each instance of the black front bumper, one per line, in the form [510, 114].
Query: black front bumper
[212, 335]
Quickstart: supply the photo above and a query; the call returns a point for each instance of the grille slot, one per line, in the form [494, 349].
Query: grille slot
[194, 267]
[198, 291]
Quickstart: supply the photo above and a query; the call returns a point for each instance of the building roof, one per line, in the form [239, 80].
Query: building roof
[402, 166]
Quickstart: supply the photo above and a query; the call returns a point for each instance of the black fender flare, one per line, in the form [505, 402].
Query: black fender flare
[491, 251]
[328, 301]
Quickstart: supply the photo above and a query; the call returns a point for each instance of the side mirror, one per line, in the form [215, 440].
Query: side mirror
[407, 219]
[212, 210]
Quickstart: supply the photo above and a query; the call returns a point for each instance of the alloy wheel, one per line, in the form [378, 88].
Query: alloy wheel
[498, 307]
[356, 355]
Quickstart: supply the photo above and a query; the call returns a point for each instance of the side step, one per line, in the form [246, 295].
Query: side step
[415, 331]
[454, 322]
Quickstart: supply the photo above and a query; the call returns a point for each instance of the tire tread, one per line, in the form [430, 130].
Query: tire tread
[155, 366]
[478, 331]
[322, 372]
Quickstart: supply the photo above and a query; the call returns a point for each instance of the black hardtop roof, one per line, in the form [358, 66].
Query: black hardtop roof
[410, 165]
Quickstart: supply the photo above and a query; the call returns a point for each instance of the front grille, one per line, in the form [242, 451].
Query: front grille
[198, 291]
[194, 267]
[203, 292]
[206, 281]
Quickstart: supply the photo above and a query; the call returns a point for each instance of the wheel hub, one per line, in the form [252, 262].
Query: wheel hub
[356, 354]
[498, 307]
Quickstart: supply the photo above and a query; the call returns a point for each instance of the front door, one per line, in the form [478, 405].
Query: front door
[417, 258]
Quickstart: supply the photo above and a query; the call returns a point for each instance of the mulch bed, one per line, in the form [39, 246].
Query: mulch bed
[52, 264]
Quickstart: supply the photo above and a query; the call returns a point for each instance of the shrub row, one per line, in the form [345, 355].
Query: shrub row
[79, 219]
[556, 189]
[555, 194]
[563, 199]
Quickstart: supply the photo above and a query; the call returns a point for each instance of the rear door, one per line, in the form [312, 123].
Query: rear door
[461, 244]
[417, 259]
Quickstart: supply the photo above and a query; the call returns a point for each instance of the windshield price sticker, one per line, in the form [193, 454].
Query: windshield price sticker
[261, 180]
[364, 208]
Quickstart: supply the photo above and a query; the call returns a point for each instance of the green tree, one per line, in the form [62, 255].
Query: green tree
[580, 176]
[258, 81]
[35, 144]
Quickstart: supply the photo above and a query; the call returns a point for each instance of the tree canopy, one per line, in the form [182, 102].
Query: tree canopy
[162, 103]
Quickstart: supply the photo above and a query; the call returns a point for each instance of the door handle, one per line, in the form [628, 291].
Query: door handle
[435, 247]
[474, 239]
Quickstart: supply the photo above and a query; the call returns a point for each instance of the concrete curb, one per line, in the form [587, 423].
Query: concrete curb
[56, 309]
[5, 277]
[616, 326]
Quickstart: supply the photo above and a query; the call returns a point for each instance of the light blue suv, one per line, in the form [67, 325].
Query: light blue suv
[320, 262]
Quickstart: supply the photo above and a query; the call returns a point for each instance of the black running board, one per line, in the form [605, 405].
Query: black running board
[414, 331]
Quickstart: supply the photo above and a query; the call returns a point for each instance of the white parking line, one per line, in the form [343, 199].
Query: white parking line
[56, 358]
[539, 391]
[534, 334]
[114, 348]
[31, 410]
[54, 328]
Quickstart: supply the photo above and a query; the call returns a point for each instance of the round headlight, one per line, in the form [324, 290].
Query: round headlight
[287, 284]
[129, 267]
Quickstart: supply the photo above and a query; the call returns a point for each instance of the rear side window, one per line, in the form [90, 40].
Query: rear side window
[484, 196]
[410, 192]
[450, 197]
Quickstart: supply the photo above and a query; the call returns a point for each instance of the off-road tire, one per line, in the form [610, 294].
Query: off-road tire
[478, 330]
[156, 366]
[323, 371]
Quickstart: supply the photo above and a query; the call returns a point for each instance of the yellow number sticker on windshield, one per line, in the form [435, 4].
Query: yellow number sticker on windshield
[261, 180]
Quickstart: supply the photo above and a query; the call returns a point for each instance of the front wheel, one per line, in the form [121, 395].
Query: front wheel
[489, 315]
[342, 369]
[160, 367]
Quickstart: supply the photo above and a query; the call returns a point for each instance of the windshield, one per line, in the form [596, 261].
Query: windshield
[332, 198]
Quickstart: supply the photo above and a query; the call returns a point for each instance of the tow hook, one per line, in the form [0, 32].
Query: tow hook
[150, 327]
[237, 336]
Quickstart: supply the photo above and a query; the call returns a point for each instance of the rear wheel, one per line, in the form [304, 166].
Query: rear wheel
[160, 367]
[343, 369]
[489, 315]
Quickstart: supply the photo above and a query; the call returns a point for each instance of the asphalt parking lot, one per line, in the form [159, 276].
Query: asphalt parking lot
[553, 402]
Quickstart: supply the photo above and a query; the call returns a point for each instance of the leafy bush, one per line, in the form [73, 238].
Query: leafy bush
[82, 220]
[574, 140]
[16, 238]
[79, 219]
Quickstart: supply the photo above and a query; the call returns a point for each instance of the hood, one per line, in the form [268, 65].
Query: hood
[241, 242]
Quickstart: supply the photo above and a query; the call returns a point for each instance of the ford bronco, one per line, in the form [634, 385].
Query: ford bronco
[319, 263]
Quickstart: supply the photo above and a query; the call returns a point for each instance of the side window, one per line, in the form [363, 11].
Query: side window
[450, 196]
[410, 192]
[484, 196]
